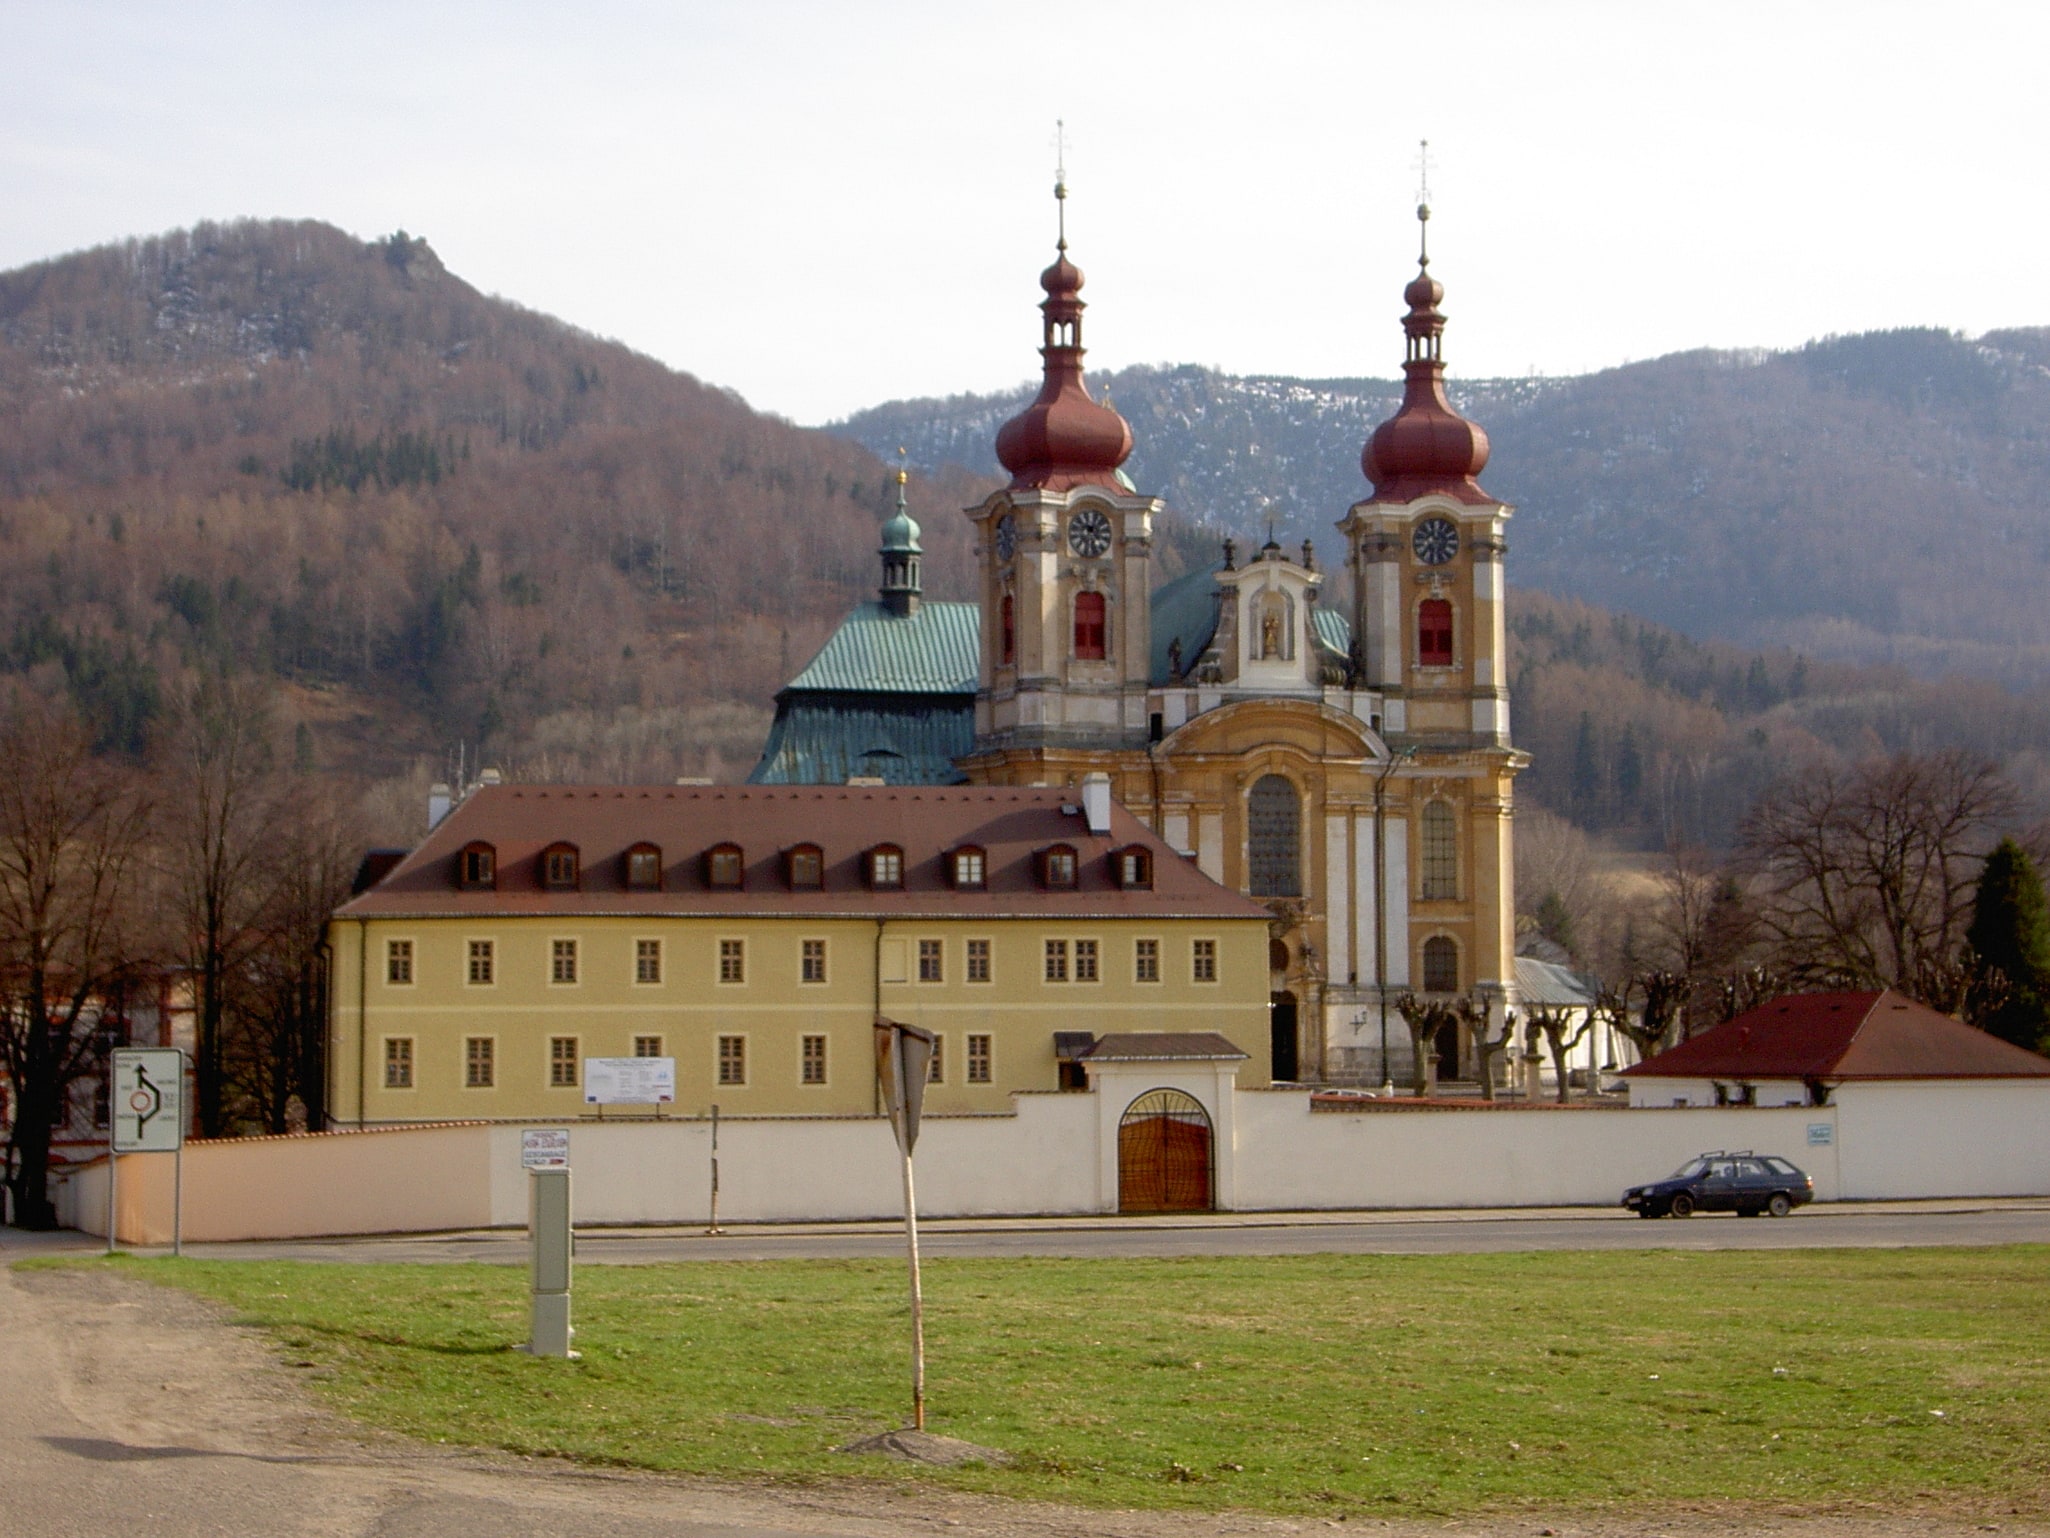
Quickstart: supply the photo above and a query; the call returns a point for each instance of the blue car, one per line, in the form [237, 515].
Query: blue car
[1741, 1182]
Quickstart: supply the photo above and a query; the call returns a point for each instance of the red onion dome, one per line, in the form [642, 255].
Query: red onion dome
[1426, 446]
[1064, 438]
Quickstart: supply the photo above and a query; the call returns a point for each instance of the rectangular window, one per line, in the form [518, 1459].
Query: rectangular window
[481, 957]
[398, 961]
[886, 867]
[647, 961]
[733, 963]
[812, 967]
[1146, 961]
[732, 1059]
[398, 1062]
[978, 1059]
[647, 1046]
[1085, 961]
[814, 1059]
[480, 1062]
[936, 1065]
[930, 968]
[1203, 961]
[562, 962]
[562, 1062]
[1056, 961]
[978, 961]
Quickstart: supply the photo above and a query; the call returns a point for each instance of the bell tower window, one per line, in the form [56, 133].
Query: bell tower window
[1089, 627]
[1010, 631]
[1440, 853]
[1434, 633]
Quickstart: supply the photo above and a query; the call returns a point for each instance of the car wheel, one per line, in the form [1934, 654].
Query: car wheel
[1779, 1206]
[1682, 1205]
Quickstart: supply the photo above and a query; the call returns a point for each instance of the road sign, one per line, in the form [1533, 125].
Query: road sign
[146, 1099]
[544, 1148]
[629, 1081]
[903, 1058]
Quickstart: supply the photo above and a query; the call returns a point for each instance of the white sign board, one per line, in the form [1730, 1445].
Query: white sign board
[146, 1099]
[1820, 1134]
[629, 1081]
[544, 1148]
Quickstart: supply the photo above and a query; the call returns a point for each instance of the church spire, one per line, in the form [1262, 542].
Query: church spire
[1426, 446]
[1064, 438]
[901, 553]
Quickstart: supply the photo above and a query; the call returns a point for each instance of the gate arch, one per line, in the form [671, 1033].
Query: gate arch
[1164, 1154]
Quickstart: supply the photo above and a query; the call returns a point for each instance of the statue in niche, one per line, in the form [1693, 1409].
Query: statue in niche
[1270, 634]
[1174, 660]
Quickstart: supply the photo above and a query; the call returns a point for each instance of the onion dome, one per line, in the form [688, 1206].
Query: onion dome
[1064, 438]
[900, 592]
[1426, 446]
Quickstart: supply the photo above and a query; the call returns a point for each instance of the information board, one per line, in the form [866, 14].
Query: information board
[629, 1081]
[544, 1148]
[146, 1099]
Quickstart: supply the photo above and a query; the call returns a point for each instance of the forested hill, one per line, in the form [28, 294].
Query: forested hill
[1879, 498]
[443, 517]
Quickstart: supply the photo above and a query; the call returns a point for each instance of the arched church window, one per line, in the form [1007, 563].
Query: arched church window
[1441, 965]
[1440, 850]
[1010, 631]
[1434, 633]
[1089, 627]
[1274, 822]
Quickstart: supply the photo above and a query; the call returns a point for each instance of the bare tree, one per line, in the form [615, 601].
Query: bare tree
[1473, 1014]
[1425, 1017]
[220, 829]
[1644, 1010]
[1556, 884]
[71, 832]
[1866, 876]
[1555, 1026]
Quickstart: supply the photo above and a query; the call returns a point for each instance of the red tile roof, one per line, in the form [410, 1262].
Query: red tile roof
[1008, 823]
[1842, 1036]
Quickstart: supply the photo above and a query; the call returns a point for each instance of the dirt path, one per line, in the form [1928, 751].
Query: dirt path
[128, 1407]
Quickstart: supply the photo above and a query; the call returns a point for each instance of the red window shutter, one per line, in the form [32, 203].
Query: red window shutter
[1434, 633]
[1089, 626]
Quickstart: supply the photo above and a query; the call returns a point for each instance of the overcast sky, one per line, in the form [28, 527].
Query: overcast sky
[828, 205]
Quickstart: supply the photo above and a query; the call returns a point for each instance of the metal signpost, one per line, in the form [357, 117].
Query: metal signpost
[544, 1155]
[903, 1058]
[712, 1228]
[146, 1114]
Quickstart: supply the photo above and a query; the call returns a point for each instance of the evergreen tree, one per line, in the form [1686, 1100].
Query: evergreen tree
[1587, 772]
[2011, 931]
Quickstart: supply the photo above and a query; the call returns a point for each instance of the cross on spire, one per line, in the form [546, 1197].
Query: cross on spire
[1060, 178]
[1423, 201]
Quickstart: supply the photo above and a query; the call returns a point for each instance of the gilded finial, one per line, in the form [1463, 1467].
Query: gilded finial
[1423, 202]
[903, 474]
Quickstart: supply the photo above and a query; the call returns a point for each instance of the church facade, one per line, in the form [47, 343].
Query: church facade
[1344, 761]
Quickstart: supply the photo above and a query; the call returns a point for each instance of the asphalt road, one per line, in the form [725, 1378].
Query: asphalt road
[1836, 1225]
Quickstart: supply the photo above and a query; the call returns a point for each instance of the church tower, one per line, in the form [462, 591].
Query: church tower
[1430, 640]
[1066, 569]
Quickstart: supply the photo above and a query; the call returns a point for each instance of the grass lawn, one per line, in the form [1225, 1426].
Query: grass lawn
[1362, 1384]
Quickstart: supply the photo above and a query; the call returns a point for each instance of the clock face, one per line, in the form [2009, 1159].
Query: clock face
[1007, 537]
[1089, 533]
[1436, 541]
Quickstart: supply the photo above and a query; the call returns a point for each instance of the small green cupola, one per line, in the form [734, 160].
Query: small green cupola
[901, 553]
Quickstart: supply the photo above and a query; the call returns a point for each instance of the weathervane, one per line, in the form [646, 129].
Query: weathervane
[1060, 177]
[1423, 201]
[903, 473]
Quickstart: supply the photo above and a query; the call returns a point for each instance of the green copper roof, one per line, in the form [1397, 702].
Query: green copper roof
[1333, 629]
[828, 738]
[934, 651]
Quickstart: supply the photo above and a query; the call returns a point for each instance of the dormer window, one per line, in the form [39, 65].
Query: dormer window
[559, 869]
[1057, 867]
[1132, 867]
[477, 868]
[886, 867]
[723, 866]
[643, 868]
[804, 867]
[968, 866]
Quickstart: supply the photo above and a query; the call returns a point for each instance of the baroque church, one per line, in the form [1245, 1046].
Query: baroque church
[1347, 765]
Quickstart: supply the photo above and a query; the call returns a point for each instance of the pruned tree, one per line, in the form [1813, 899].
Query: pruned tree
[1554, 1026]
[1744, 990]
[1644, 1010]
[1473, 1014]
[71, 837]
[1865, 877]
[1425, 1016]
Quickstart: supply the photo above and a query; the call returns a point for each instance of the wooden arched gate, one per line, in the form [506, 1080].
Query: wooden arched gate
[1164, 1154]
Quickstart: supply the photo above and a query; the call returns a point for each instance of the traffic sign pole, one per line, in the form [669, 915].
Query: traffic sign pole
[903, 1059]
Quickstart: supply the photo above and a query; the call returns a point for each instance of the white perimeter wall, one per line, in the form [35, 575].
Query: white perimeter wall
[1057, 1155]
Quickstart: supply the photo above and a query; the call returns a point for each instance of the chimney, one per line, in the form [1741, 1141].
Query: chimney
[1096, 801]
[438, 800]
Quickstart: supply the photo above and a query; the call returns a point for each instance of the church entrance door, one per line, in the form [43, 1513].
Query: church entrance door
[1282, 1026]
[1447, 1047]
[1164, 1154]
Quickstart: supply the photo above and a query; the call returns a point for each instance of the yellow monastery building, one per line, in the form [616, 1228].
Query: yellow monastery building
[754, 934]
[1348, 767]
